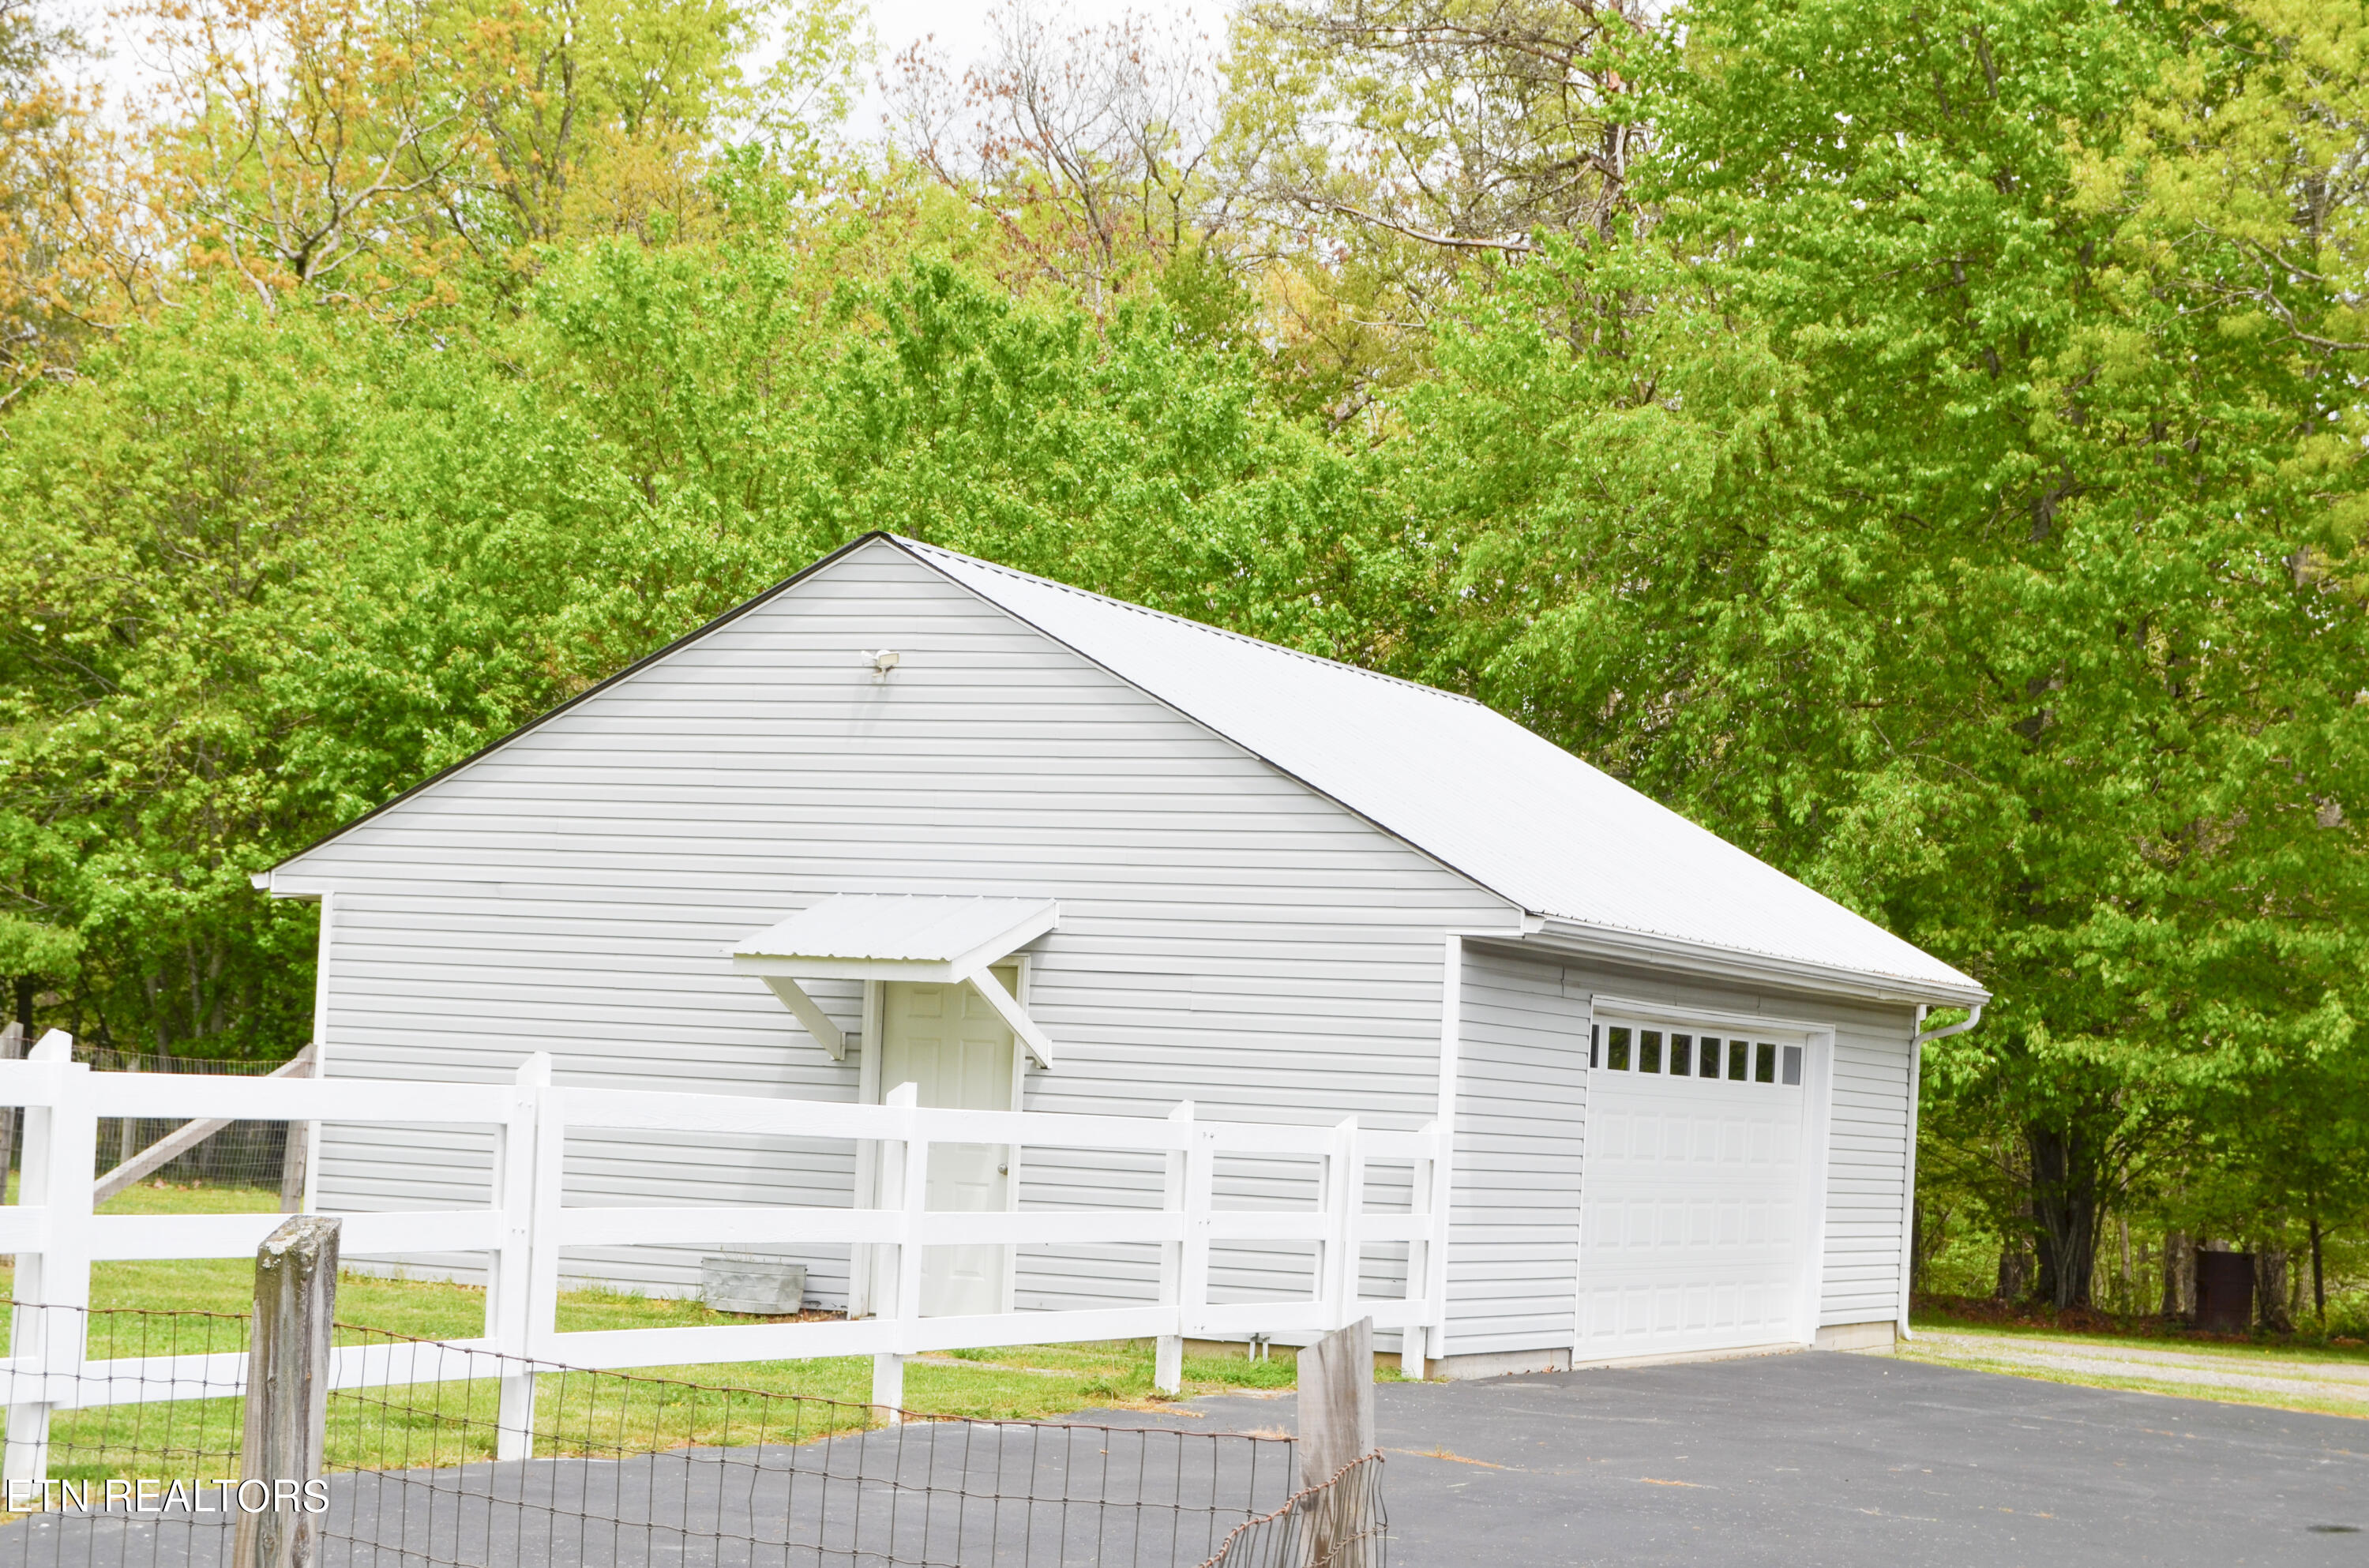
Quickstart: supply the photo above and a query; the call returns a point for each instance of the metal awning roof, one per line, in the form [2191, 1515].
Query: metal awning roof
[945, 940]
[855, 935]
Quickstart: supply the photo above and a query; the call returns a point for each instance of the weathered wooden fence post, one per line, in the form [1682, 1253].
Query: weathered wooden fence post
[287, 1396]
[1336, 1429]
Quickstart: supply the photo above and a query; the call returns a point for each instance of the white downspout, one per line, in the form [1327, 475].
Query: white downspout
[1908, 1175]
[1973, 1017]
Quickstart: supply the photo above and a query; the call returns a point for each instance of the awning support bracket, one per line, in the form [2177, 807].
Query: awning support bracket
[1007, 1008]
[805, 1008]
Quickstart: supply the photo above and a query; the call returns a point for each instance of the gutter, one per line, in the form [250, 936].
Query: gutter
[1917, 1044]
[1642, 947]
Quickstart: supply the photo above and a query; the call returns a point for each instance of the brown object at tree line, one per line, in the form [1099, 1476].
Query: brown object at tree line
[2225, 1292]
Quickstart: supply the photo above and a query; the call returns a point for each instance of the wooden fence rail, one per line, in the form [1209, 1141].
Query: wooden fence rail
[520, 1232]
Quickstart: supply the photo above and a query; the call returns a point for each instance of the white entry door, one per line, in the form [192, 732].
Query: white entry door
[950, 1045]
[1693, 1230]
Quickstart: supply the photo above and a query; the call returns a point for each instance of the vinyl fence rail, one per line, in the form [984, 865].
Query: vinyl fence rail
[57, 1237]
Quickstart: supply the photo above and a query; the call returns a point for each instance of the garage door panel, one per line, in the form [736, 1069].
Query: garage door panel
[1646, 1322]
[1731, 1229]
[1694, 1227]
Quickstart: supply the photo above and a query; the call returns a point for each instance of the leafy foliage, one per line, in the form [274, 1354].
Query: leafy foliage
[1924, 447]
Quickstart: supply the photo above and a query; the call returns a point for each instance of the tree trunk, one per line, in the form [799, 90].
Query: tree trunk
[2065, 1205]
[2179, 1274]
[2271, 1288]
[2014, 1269]
[2319, 1279]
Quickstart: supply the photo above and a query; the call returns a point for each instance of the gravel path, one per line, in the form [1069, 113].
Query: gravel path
[2177, 1371]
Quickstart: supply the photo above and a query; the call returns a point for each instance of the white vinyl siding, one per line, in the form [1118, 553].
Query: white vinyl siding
[1867, 1154]
[1227, 934]
[1521, 1103]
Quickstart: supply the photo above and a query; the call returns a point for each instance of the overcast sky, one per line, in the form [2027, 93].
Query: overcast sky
[959, 27]
[960, 32]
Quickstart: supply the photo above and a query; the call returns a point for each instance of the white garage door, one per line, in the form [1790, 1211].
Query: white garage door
[1693, 1234]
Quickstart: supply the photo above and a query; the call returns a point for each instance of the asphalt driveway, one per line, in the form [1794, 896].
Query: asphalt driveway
[1821, 1458]
[1788, 1462]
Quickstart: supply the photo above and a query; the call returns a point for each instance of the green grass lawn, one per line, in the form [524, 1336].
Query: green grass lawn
[575, 1412]
[2298, 1347]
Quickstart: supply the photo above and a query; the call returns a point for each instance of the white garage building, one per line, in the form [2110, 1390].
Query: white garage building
[1199, 866]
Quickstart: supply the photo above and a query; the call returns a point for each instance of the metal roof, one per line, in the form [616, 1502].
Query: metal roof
[1469, 787]
[873, 927]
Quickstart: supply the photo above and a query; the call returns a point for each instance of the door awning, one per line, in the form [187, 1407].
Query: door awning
[876, 936]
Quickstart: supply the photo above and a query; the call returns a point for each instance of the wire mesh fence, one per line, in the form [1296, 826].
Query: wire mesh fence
[231, 1154]
[1341, 1524]
[628, 1471]
[126, 1414]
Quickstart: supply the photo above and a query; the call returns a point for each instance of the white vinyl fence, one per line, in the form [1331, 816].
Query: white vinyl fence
[56, 1237]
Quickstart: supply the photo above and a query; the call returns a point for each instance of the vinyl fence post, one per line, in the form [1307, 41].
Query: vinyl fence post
[1193, 1263]
[1336, 1429]
[61, 1147]
[280, 1492]
[1435, 1259]
[1168, 1358]
[897, 1298]
[510, 1303]
[12, 1048]
[296, 1150]
[542, 1197]
[1412, 1347]
[1344, 1179]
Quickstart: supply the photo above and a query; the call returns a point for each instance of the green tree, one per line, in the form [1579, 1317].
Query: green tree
[273, 566]
[1908, 510]
[161, 508]
[693, 425]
